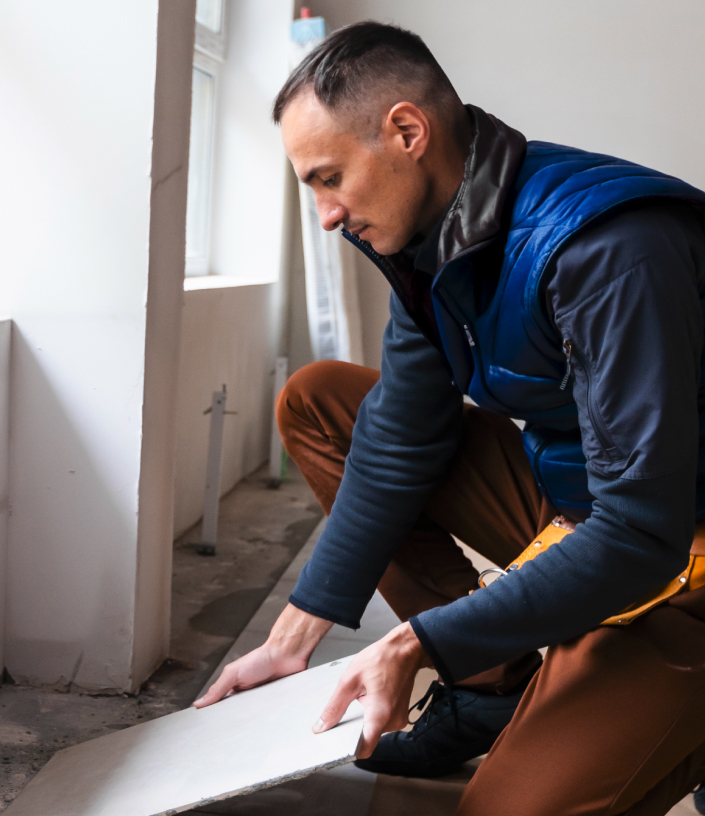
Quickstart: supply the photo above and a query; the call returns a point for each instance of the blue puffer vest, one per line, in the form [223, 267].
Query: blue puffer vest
[510, 359]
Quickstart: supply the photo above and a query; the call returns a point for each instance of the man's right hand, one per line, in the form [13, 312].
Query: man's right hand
[287, 651]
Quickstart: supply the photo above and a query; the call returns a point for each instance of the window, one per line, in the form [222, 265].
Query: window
[209, 13]
[199, 173]
[210, 28]
[209, 55]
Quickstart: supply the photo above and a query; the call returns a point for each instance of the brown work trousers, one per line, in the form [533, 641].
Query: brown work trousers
[614, 721]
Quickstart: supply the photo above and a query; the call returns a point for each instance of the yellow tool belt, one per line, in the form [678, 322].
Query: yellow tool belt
[692, 577]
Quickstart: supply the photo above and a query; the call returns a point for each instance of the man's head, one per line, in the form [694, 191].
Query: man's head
[372, 123]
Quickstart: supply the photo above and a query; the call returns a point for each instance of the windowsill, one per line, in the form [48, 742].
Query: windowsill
[221, 282]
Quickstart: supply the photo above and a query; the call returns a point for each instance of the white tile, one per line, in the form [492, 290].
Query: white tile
[332, 648]
[684, 808]
[478, 561]
[376, 622]
[252, 740]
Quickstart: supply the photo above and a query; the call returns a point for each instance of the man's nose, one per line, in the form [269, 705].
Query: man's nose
[332, 215]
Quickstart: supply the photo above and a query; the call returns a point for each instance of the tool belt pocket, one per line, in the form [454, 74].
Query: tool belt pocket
[692, 577]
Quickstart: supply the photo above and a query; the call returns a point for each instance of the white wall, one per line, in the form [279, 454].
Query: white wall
[79, 265]
[626, 78]
[249, 161]
[230, 336]
[167, 245]
[5, 337]
[233, 334]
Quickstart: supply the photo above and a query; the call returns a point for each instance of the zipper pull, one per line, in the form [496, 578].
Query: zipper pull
[468, 334]
[568, 351]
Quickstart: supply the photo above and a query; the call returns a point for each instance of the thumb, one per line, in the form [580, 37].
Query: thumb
[221, 688]
[344, 694]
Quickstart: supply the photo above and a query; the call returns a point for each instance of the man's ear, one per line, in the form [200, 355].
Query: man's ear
[410, 126]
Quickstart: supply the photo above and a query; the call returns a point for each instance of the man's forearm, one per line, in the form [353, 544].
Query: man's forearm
[297, 633]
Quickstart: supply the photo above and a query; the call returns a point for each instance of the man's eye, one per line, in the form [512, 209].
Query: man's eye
[330, 182]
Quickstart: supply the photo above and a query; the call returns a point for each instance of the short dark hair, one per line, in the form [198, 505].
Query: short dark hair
[370, 62]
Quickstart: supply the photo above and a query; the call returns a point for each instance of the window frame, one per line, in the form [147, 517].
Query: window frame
[200, 264]
[209, 54]
[211, 43]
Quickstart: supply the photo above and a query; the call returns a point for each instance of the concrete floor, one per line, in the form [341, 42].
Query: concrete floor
[223, 607]
[260, 531]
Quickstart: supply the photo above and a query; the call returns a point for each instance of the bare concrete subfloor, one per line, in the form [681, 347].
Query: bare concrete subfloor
[260, 532]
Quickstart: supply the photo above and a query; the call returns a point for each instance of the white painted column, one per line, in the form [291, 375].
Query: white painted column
[92, 221]
[5, 336]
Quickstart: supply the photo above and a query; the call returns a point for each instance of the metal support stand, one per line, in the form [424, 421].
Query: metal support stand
[281, 373]
[209, 532]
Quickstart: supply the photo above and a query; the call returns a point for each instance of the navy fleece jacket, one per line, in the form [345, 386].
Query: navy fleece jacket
[630, 292]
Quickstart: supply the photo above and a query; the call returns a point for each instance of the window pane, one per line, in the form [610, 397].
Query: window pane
[209, 13]
[199, 171]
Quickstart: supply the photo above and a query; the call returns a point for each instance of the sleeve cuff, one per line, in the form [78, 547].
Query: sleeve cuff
[319, 613]
[430, 650]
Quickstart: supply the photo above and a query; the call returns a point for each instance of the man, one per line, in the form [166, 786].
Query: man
[551, 285]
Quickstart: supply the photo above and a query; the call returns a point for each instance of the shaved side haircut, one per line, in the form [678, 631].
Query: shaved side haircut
[361, 71]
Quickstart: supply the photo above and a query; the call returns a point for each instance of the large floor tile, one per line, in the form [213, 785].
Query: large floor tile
[684, 808]
[251, 740]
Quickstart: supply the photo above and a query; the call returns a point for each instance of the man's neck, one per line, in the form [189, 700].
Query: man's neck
[446, 160]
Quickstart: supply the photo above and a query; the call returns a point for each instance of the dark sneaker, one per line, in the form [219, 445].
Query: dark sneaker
[457, 725]
[699, 798]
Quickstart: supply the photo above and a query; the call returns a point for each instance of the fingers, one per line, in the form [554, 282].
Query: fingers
[381, 678]
[345, 692]
[379, 716]
[223, 687]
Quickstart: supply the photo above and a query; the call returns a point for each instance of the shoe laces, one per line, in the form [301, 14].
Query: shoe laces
[436, 693]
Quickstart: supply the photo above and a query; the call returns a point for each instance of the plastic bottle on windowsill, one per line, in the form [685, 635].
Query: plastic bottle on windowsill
[307, 30]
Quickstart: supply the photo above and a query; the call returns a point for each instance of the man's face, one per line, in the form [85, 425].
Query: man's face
[372, 188]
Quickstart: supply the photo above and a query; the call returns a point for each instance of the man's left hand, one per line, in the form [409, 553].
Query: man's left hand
[381, 677]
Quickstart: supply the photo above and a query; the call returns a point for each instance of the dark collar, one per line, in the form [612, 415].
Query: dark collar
[474, 217]
[424, 251]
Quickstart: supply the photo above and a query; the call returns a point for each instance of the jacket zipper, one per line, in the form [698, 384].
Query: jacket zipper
[601, 432]
[468, 334]
[568, 351]
[381, 264]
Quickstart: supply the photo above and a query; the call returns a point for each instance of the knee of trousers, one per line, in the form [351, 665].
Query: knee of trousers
[301, 390]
